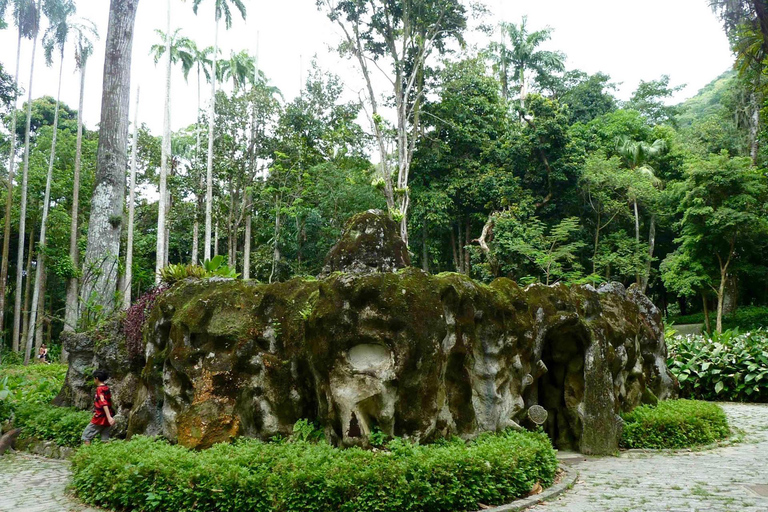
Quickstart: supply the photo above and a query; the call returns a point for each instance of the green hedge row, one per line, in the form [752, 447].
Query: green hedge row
[745, 318]
[674, 424]
[145, 474]
[728, 367]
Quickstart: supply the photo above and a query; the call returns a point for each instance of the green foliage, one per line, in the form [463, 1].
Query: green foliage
[728, 366]
[746, 318]
[145, 474]
[210, 268]
[64, 425]
[674, 424]
[35, 383]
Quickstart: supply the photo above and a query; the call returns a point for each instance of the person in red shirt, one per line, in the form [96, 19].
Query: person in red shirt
[103, 418]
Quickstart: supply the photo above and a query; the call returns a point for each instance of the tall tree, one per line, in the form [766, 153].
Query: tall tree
[221, 8]
[522, 56]
[175, 48]
[85, 33]
[26, 19]
[132, 206]
[101, 255]
[239, 68]
[400, 35]
[24, 179]
[55, 38]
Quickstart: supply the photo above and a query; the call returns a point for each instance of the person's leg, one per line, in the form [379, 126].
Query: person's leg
[105, 433]
[90, 432]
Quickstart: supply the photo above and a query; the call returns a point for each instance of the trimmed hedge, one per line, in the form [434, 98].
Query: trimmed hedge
[744, 318]
[729, 366]
[298, 475]
[674, 424]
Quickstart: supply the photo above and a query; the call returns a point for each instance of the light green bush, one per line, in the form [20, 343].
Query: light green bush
[299, 475]
[674, 424]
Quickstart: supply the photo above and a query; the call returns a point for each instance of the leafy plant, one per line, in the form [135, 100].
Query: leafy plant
[674, 424]
[250, 475]
[216, 268]
[729, 366]
[210, 268]
[135, 318]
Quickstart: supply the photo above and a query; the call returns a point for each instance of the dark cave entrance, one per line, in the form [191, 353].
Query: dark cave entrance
[561, 388]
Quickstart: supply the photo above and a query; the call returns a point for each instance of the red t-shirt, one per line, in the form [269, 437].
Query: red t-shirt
[102, 399]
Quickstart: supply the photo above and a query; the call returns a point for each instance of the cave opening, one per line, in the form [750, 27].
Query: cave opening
[561, 387]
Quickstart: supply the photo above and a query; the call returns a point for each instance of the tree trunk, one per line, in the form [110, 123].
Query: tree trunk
[424, 251]
[101, 256]
[216, 240]
[247, 241]
[131, 206]
[720, 297]
[71, 308]
[467, 242]
[27, 290]
[651, 245]
[276, 251]
[165, 153]
[597, 243]
[24, 181]
[8, 206]
[39, 320]
[209, 172]
[706, 312]
[637, 238]
[39, 277]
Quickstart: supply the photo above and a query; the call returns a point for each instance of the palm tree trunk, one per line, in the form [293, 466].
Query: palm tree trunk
[71, 308]
[651, 246]
[247, 241]
[24, 181]
[43, 223]
[209, 172]
[196, 224]
[216, 240]
[131, 206]
[8, 205]
[39, 306]
[165, 153]
[104, 227]
[27, 289]
[637, 238]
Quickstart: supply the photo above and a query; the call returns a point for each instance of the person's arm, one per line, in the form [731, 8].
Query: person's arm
[110, 419]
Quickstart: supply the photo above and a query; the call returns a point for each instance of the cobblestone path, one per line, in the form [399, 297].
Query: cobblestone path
[29, 483]
[711, 481]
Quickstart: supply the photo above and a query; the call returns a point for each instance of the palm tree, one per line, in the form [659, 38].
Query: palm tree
[58, 13]
[221, 8]
[203, 63]
[239, 68]
[636, 156]
[523, 56]
[85, 33]
[174, 47]
[26, 19]
[100, 269]
[24, 177]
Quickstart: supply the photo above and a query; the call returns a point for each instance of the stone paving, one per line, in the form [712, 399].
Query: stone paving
[709, 480]
[29, 483]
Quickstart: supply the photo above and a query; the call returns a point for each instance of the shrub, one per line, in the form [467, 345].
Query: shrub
[674, 424]
[210, 268]
[135, 318]
[64, 425]
[745, 318]
[299, 475]
[730, 366]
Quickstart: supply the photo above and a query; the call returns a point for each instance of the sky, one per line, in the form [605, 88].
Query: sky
[629, 41]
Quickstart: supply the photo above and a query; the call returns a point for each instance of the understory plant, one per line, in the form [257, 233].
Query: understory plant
[731, 366]
[209, 268]
[674, 424]
[302, 475]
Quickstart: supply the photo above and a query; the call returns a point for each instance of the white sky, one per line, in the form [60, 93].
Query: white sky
[629, 41]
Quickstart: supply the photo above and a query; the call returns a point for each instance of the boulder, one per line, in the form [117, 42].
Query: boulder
[376, 345]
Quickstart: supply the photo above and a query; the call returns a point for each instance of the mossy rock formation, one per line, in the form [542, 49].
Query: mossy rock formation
[405, 352]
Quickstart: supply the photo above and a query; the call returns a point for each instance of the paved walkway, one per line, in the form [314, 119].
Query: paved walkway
[711, 481]
[29, 483]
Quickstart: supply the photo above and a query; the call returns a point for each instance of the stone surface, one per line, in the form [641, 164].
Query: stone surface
[408, 353]
[370, 243]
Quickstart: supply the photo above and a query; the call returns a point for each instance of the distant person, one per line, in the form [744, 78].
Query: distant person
[42, 354]
[103, 418]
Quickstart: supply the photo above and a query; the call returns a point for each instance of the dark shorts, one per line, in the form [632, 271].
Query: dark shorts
[93, 430]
